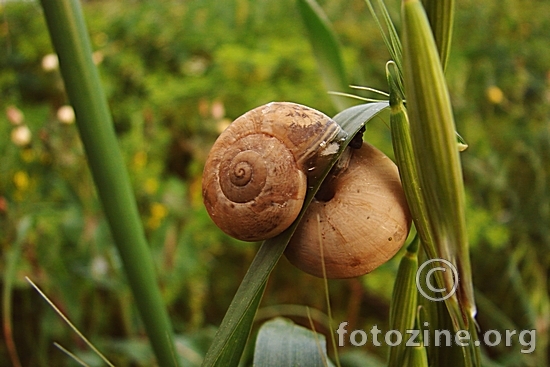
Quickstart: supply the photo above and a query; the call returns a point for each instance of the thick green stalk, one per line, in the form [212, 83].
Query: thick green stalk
[404, 302]
[441, 16]
[438, 164]
[434, 143]
[404, 158]
[70, 39]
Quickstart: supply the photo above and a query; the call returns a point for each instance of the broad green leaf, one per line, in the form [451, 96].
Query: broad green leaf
[280, 342]
[231, 337]
[351, 117]
[326, 49]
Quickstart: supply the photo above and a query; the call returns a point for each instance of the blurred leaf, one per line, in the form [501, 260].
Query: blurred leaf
[280, 342]
[359, 358]
[9, 276]
[231, 336]
[326, 50]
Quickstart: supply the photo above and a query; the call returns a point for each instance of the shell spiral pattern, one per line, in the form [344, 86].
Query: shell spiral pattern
[255, 177]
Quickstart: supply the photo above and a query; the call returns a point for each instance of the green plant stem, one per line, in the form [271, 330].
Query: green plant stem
[434, 143]
[441, 16]
[70, 38]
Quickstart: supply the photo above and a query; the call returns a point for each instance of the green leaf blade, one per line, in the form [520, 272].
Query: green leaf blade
[70, 39]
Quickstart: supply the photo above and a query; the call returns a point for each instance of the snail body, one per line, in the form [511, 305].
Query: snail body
[256, 177]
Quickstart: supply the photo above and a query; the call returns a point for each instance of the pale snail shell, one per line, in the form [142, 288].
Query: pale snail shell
[256, 176]
[361, 227]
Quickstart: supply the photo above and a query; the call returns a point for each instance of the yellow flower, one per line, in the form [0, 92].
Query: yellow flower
[158, 212]
[494, 94]
[21, 180]
[151, 185]
[140, 160]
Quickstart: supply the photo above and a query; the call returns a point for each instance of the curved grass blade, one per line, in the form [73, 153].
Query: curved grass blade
[70, 39]
[231, 336]
[326, 49]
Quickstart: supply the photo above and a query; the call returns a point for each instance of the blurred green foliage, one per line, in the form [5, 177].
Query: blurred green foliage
[176, 74]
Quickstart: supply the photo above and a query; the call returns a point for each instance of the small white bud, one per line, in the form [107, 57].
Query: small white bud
[65, 114]
[50, 62]
[21, 135]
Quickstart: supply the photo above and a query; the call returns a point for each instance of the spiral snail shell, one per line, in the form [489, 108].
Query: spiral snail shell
[256, 176]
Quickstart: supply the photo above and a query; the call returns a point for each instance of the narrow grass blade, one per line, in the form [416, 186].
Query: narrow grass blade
[391, 39]
[70, 38]
[71, 325]
[230, 338]
[441, 16]
[436, 154]
[71, 355]
[404, 302]
[326, 49]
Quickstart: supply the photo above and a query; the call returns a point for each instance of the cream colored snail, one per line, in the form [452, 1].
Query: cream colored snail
[255, 181]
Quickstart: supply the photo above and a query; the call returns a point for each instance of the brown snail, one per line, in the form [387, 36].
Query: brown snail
[256, 176]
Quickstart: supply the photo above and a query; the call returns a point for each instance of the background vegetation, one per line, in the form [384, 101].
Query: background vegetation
[176, 74]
